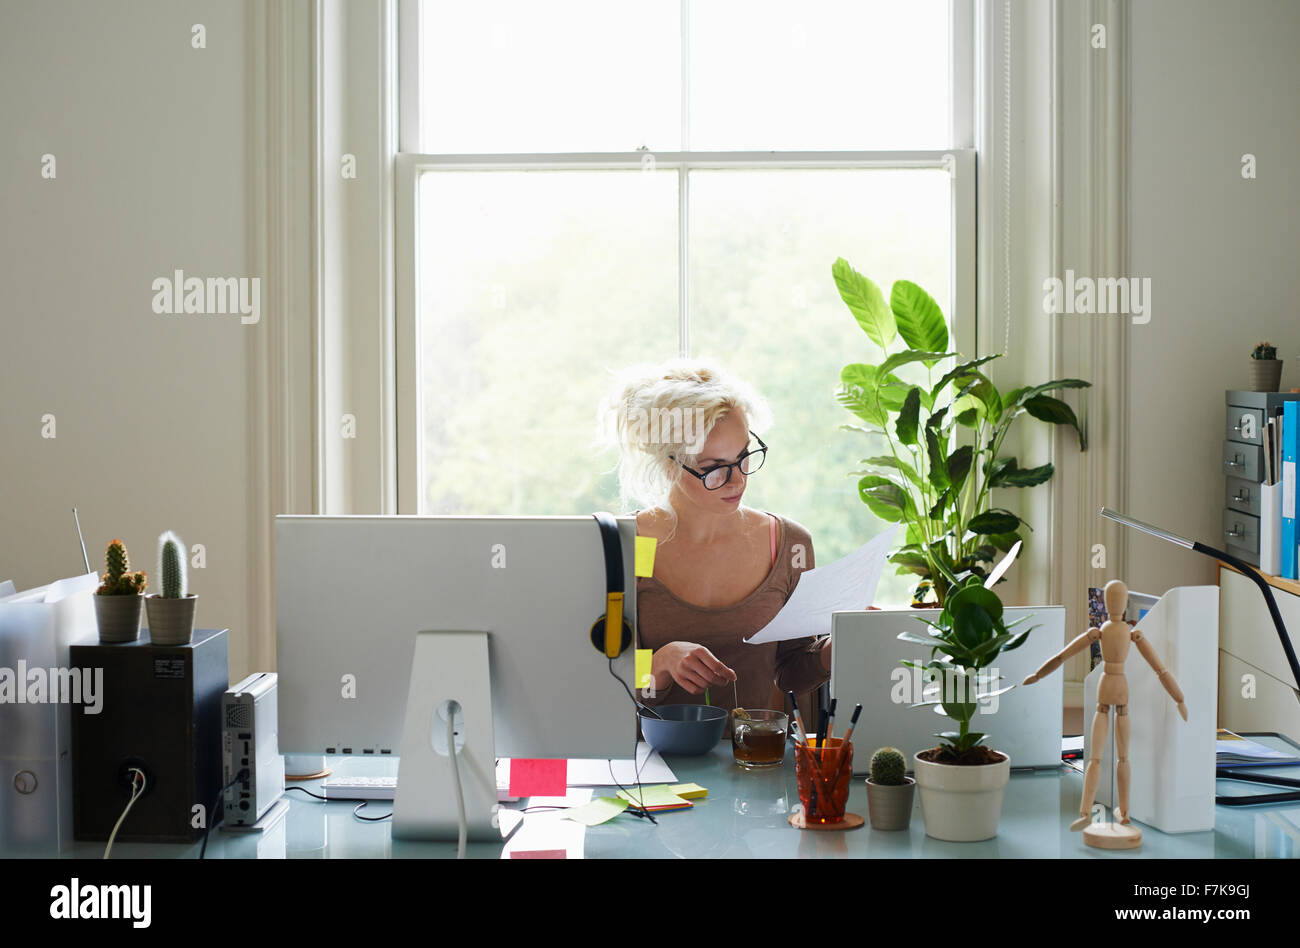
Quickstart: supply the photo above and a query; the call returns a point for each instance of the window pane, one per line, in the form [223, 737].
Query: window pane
[821, 74]
[523, 76]
[532, 284]
[764, 304]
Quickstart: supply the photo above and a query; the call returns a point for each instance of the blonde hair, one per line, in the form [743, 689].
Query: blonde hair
[655, 413]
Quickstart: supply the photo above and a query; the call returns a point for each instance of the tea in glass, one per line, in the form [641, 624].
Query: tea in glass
[758, 737]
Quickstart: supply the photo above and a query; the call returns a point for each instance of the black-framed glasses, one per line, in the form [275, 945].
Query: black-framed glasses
[717, 477]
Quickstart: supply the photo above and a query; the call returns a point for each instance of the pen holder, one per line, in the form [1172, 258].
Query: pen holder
[824, 775]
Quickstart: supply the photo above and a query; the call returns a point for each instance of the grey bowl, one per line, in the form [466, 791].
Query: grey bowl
[685, 728]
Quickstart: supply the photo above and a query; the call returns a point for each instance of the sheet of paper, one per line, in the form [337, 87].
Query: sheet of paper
[533, 777]
[597, 773]
[576, 796]
[599, 810]
[847, 585]
[546, 835]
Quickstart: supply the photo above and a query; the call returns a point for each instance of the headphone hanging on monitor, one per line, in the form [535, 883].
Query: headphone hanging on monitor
[611, 634]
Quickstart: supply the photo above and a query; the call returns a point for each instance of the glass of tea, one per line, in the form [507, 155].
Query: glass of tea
[823, 776]
[758, 737]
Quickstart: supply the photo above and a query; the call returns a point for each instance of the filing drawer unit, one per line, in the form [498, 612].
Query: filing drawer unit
[1243, 467]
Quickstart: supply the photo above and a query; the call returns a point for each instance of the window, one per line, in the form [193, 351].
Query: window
[590, 184]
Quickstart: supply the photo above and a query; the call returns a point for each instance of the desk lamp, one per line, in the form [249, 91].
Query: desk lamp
[1226, 771]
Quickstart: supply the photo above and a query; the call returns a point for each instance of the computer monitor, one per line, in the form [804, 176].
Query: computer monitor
[353, 592]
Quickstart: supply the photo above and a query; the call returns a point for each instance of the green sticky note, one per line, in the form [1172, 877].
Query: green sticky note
[689, 791]
[599, 810]
[644, 657]
[645, 556]
[657, 795]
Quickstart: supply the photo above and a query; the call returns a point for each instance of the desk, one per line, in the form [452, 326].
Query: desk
[744, 817]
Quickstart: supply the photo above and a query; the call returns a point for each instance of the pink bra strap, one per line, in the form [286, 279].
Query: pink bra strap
[772, 533]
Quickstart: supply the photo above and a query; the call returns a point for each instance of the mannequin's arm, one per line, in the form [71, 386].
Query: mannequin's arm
[1166, 677]
[1052, 664]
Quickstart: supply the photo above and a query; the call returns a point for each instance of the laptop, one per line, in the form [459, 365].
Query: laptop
[866, 667]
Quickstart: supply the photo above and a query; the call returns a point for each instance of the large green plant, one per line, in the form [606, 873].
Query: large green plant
[970, 634]
[940, 487]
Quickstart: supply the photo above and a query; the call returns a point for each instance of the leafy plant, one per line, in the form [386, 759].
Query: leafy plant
[969, 635]
[1265, 350]
[118, 580]
[171, 566]
[941, 489]
[888, 767]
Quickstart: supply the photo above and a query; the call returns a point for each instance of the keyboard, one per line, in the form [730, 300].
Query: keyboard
[376, 788]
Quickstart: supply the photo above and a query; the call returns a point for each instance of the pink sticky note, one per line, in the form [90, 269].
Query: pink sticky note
[538, 778]
[540, 853]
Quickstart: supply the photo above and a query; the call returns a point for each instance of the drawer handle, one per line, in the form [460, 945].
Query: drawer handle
[1242, 499]
[1233, 533]
[1236, 427]
[1234, 463]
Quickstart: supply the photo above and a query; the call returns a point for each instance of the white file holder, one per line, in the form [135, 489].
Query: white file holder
[1270, 528]
[1171, 761]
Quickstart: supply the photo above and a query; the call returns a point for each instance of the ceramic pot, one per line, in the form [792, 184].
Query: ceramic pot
[118, 617]
[889, 806]
[962, 804]
[171, 621]
[1265, 375]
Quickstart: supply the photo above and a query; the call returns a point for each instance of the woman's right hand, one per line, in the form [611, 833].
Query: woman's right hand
[692, 666]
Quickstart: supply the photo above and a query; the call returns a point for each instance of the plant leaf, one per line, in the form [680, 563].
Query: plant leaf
[866, 303]
[938, 463]
[919, 318]
[887, 500]
[910, 355]
[994, 521]
[959, 466]
[962, 369]
[1007, 473]
[889, 461]
[1047, 408]
[908, 417]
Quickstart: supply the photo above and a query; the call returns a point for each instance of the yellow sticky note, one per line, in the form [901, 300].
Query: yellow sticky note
[599, 810]
[644, 657]
[688, 791]
[645, 556]
[655, 796]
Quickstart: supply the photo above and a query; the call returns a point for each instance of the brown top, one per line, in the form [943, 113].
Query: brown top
[794, 665]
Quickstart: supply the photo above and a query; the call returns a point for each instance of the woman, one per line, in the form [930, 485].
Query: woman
[722, 570]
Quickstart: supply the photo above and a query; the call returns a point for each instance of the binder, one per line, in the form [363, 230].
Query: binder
[1290, 431]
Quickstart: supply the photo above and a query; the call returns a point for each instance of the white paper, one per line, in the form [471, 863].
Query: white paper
[547, 830]
[847, 585]
[574, 796]
[596, 773]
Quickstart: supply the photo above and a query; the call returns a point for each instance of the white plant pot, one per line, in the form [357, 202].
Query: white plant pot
[961, 804]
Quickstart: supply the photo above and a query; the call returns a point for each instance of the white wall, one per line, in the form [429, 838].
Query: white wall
[149, 136]
[1211, 81]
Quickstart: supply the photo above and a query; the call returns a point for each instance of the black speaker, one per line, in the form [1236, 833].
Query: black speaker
[161, 713]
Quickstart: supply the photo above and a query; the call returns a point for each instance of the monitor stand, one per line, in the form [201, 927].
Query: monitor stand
[450, 676]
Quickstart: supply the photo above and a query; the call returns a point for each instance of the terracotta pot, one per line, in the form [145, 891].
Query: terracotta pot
[118, 617]
[171, 621]
[889, 806]
[1265, 375]
[962, 804]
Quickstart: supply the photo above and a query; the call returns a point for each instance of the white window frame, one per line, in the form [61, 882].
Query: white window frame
[410, 164]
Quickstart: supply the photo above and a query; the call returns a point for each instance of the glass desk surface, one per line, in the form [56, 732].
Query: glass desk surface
[744, 816]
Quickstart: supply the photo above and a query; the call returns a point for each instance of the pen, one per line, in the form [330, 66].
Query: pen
[798, 720]
[830, 721]
[853, 722]
[821, 729]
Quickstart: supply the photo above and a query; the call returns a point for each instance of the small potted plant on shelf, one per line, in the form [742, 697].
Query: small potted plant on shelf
[171, 614]
[117, 600]
[961, 781]
[889, 790]
[1265, 368]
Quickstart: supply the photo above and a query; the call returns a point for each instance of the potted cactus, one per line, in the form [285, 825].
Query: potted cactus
[1265, 368]
[171, 613]
[889, 790]
[117, 600]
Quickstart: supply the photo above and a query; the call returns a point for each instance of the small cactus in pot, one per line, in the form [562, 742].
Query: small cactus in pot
[1265, 368]
[117, 600]
[889, 790]
[171, 614]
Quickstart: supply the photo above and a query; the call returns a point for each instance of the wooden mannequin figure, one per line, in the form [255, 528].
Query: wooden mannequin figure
[1112, 690]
